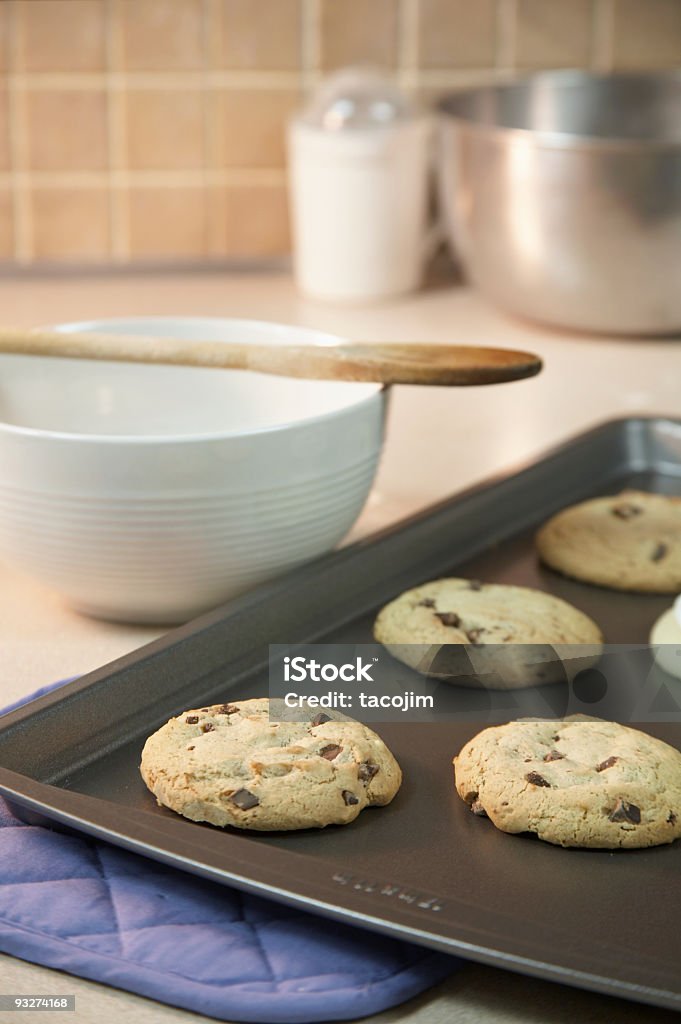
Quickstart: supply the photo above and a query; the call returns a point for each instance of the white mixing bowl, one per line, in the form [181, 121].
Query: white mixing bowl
[152, 493]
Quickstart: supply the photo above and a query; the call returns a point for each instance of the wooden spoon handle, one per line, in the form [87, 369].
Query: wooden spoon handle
[121, 348]
[383, 363]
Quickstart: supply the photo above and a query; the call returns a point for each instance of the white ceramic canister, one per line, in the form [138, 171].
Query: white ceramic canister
[665, 640]
[359, 167]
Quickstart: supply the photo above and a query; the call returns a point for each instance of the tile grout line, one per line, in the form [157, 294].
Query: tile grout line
[20, 179]
[118, 220]
[602, 35]
[212, 78]
[213, 31]
[507, 34]
[310, 44]
[408, 55]
[214, 207]
[211, 37]
[257, 176]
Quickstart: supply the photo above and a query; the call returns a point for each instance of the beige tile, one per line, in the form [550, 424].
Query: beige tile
[457, 33]
[553, 33]
[358, 32]
[4, 130]
[647, 33]
[250, 221]
[66, 130]
[70, 223]
[164, 129]
[167, 222]
[261, 34]
[4, 36]
[61, 35]
[249, 126]
[162, 35]
[6, 225]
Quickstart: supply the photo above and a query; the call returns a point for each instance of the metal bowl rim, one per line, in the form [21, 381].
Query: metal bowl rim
[552, 139]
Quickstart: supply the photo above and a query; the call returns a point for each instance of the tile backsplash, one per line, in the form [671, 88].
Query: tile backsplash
[153, 130]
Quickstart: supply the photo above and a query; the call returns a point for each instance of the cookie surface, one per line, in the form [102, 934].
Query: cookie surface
[581, 782]
[628, 542]
[229, 765]
[515, 636]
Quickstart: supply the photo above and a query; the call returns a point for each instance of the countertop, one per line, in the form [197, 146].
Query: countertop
[438, 442]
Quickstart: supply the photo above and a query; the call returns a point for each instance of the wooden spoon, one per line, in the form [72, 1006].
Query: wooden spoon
[458, 365]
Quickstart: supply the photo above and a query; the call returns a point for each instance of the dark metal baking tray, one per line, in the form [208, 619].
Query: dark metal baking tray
[424, 868]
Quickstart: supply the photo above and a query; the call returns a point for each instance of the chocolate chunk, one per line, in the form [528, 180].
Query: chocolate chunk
[626, 511]
[426, 603]
[191, 719]
[207, 727]
[475, 585]
[624, 811]
[478, 809]
[660, 551]
[671, 820]
[554, 755]
[470, 798]
[475, 634]
[608, 763]
[226, 709]
[537, 780]
[367, 770]
[320, 719]
[330, 751]
[190, 748]
[448, 618]
[350, 798]
[244, 799]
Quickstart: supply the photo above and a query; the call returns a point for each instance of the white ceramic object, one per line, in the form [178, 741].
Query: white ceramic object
[359, 163]
[150, 493]
[665, 639]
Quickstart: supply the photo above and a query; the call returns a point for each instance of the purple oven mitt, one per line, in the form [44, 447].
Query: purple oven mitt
[93, 910]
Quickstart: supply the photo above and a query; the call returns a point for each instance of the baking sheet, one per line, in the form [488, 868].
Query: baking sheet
[423, 868]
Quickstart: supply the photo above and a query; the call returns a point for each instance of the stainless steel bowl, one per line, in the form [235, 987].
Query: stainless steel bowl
[562, 197]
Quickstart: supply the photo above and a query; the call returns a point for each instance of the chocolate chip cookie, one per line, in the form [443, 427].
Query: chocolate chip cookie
[228, 764]
[515, 637]
[628, 542]
[574, 782]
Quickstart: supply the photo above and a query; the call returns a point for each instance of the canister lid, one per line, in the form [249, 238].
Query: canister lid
[357, 98]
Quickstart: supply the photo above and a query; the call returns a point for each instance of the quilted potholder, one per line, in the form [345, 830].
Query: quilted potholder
[93, 910]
